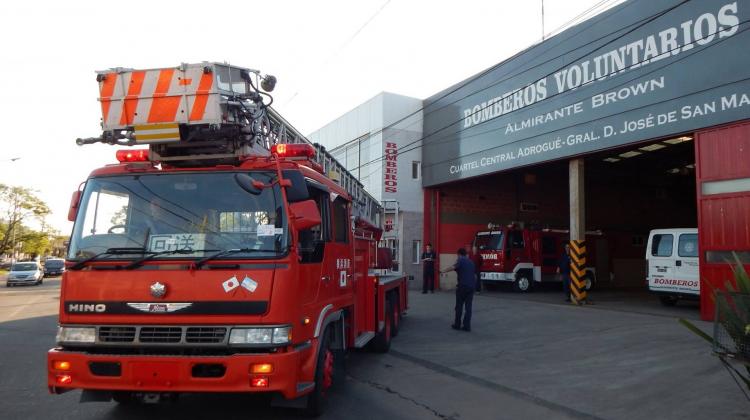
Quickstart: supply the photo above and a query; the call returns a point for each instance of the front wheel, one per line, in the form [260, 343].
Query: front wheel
[523, 282]
[317, 400]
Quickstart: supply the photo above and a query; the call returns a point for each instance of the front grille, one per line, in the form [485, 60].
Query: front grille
[116, 334]
[160, 335]
[205, 334]
[152, 336]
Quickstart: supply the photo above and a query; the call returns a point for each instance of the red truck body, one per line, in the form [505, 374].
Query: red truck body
[525, 256]
[273, 319]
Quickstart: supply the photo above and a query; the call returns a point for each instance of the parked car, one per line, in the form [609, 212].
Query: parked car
[672, 256]
[54, 267]
[26, 272]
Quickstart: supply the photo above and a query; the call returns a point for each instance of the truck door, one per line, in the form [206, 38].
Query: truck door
[550, 256]
[341, 248]
[315, 257]
[516, 248]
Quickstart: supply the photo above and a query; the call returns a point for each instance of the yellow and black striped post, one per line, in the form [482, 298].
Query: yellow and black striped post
[578, 272]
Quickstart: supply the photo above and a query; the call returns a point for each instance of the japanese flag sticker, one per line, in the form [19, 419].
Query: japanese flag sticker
[231, 284]
[249, 284]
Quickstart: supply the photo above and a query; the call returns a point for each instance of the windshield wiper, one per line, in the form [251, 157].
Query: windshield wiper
[109, 251]
[152, 255]
[204, 260]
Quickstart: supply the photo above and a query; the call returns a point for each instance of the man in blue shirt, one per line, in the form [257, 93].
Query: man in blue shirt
[466, 273]
[563, 268]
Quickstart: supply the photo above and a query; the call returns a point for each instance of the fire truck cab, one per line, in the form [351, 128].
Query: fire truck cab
[523, 257]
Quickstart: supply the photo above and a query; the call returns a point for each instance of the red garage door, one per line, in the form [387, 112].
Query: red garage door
[723, 183]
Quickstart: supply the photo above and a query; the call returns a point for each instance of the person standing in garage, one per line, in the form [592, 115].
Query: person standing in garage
[563, 269]
[466, 274]
[428, 269]
[476, 258]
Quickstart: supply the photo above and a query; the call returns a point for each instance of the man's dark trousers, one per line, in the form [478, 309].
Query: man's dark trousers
[428, 281]
[464, 298]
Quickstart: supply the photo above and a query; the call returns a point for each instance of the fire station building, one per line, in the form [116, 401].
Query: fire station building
[636, 119]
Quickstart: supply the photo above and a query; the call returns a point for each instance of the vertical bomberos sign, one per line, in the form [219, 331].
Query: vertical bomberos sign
[390, 175]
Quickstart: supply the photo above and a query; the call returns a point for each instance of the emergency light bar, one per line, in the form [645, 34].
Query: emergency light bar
[293, 150]
[137, 155]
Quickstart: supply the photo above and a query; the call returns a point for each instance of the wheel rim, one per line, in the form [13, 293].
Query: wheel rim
[587, 285]
[327, 371]
[523, 283]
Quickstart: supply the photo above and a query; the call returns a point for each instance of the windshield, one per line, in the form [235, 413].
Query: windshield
[54, 264]
[24, 267]
[157, 213]
[486, 241]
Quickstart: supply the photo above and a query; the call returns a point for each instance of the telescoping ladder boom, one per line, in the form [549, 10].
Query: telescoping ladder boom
[363, 204]
[207, 114]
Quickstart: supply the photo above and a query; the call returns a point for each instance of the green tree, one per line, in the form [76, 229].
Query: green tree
[35, 243]
[18, 204]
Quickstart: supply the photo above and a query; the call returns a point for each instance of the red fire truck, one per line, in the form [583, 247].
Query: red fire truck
[230, 256]
[526, 256]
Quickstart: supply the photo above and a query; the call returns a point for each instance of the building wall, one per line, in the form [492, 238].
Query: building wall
[379, 143]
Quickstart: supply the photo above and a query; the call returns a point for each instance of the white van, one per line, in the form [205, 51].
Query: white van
[672, 256]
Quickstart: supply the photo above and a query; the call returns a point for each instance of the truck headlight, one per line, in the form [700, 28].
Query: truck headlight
[76, 335]
[265, 335]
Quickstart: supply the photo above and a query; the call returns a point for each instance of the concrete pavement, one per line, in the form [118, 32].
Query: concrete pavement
[528, 356]
[577, 361]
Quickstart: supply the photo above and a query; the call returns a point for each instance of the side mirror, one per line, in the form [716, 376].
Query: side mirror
[306, 214]
[75, 202]
[247, 183]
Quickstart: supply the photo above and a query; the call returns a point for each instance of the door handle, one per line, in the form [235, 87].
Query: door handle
[678, 263]
[325, 278]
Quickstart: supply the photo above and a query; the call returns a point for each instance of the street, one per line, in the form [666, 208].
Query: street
[522, 360]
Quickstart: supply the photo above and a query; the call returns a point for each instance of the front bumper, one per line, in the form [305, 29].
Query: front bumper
[495, 276]
[30, 280]
[146, 373]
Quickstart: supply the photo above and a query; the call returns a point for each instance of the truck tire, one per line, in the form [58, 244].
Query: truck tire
[668, 300]
[317, 400]
[395, 315]
[382, 341]
[589, 281]
[523, 282]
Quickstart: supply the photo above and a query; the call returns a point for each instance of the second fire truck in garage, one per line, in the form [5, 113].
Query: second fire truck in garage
[524, 256]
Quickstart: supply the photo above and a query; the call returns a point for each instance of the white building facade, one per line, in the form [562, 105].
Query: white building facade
[379, 142]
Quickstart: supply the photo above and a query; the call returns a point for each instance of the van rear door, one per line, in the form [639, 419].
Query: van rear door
[661, 261]
[686, 263]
